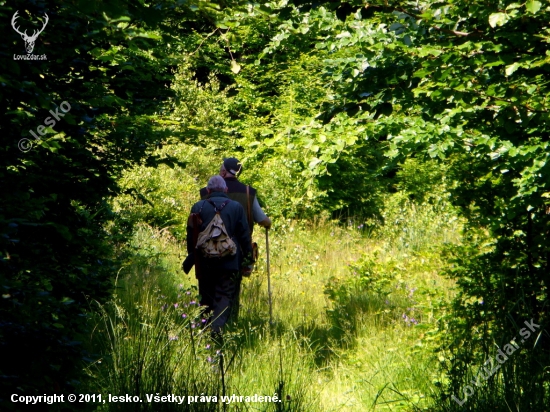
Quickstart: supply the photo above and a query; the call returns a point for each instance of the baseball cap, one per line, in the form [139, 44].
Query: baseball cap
[232, 165]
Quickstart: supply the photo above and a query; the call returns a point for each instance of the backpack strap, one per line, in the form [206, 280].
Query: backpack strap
[200, 210]
[220, 208]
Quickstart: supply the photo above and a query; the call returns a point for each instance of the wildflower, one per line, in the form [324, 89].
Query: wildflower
[187, 293]
[387, 302]
[176, 305]
[208, 346]
[193, 325]
[209, 359]
[203, 320]
[164, 307]
[184, 315]
[173, 338]
[192, 302]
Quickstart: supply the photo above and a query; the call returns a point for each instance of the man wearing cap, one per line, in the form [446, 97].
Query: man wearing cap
[245, 195]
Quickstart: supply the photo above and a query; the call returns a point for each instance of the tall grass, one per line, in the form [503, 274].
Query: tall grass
[352, 351]
[150, 340]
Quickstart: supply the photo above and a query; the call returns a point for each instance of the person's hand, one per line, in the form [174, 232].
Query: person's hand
[266, 223]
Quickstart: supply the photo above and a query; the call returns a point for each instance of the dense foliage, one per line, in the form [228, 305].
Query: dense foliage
[465, 83]
[111, 64]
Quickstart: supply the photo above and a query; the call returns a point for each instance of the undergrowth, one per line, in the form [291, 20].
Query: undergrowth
[354, 328]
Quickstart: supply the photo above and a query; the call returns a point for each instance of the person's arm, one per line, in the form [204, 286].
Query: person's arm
[189, 237]
[190, 259]
[259, 215]
[242, 234]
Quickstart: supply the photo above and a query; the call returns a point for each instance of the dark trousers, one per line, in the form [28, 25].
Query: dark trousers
[219, 290]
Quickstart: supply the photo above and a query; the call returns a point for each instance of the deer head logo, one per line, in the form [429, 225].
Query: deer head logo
[29, 40]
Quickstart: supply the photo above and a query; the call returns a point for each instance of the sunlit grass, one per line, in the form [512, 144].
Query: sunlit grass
[381, 361]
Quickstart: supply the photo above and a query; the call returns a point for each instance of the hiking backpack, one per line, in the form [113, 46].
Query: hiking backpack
[214, 241]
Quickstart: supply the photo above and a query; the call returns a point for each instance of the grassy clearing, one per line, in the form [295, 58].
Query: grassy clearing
[355, 320]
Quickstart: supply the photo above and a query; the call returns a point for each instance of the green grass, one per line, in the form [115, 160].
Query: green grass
[338, 342]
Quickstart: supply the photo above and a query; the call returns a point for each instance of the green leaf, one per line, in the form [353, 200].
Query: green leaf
[149, 35]
[235, 67]
[513, 6]
[533, 6]
[314, 162]
[498, 19]
[512, 68]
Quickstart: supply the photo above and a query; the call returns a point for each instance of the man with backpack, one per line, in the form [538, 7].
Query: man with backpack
[218, 243]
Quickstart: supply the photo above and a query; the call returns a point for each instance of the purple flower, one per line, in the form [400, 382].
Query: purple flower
[208, 346]
[193, 325]
[209, 359]
[192, 302]
[176, 305]
[187, 293]
[184, 315]
[203, 320]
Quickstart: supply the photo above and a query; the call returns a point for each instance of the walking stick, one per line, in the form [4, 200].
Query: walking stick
[268, 276]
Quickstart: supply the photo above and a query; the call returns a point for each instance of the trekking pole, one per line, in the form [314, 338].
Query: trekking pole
[268, 276]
